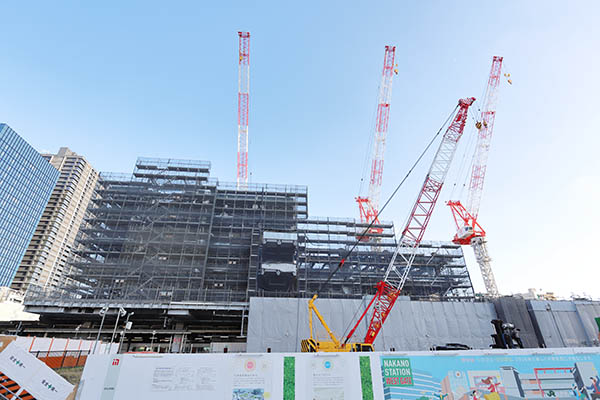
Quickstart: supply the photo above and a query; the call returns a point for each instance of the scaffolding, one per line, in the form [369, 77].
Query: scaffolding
[171, 234]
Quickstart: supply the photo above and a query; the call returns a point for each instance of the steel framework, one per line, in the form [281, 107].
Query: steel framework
[170, 234]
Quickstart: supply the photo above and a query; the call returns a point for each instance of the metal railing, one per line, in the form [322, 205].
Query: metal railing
[62, 359]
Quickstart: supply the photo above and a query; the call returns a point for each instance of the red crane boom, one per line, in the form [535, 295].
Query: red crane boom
[395, 276]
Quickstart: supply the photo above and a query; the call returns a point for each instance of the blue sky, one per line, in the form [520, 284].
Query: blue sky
[115, 80]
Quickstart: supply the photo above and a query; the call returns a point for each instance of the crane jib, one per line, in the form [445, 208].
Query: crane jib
[469, 231]
[396, 274]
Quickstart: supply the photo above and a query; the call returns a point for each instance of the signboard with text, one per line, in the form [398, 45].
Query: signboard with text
[31, 375]
[463, 375]
[396, 371]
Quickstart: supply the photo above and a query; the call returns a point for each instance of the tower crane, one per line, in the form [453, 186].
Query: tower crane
[243, 105]
[369, 205]
[395, 276]
[469, 231]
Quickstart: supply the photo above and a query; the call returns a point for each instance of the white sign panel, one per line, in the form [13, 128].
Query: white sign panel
[32, 374]
[345, 376]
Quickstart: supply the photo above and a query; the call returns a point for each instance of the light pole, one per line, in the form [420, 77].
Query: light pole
[102, 312]
[120, 313]
[127, 327]
[152, 341]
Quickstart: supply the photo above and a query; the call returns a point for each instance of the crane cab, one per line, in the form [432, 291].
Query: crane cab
[465, 232]
[314, 346]
[362, 347]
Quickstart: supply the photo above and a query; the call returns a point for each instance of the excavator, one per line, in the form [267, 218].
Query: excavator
[396, 274]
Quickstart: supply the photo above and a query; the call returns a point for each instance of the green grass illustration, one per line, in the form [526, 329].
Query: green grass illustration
[289, 378]
[365, 378]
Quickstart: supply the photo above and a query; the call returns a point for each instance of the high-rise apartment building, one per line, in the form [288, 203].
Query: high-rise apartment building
[26, 182]
[45, 261]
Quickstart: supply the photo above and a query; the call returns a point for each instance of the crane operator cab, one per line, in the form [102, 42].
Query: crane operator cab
[313, 346]
[465, 232]
[362, 347]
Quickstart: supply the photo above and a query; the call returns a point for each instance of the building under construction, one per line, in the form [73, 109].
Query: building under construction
[186, 253]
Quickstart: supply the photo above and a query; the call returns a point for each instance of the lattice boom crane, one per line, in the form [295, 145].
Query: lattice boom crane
[469, 231]
[369, 206]
[395, 276]
[243, 105]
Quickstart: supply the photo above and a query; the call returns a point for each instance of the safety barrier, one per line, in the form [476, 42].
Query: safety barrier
[62, 359]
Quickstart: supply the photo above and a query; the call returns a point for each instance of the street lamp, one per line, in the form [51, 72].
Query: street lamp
[120, 313]
[102, 312]
[127, 327]
[152, 341]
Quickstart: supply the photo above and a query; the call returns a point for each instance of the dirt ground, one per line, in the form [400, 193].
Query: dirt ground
[73, 375]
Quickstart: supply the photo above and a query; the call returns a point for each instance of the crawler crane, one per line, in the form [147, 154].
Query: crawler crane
[396, 274]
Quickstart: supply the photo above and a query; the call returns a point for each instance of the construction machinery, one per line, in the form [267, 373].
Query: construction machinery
[369, 205]
[396, 274]
[311, 345]
[469, 231]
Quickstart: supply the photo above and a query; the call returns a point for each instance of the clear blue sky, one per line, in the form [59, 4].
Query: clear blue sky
[116, 80]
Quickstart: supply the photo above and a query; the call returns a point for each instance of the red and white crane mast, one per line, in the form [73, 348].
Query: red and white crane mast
[369, 206]
[469, 230]
[243, 105]
[484, 138]
[395, 276]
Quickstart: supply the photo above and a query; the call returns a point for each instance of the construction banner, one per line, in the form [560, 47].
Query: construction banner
[23, 376]
[463, 375]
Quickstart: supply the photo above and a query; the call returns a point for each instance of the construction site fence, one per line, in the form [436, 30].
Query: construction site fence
[62, 359]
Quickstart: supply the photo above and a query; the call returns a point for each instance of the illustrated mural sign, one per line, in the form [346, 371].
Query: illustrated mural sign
[492, 377]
